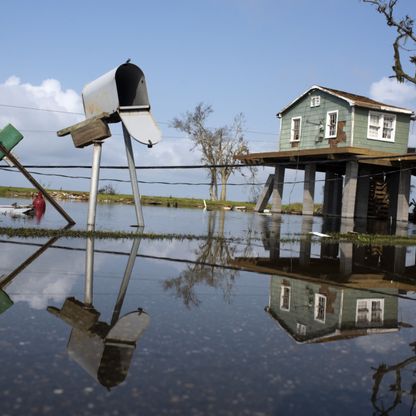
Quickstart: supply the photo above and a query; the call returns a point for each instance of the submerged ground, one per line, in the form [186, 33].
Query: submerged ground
[242, 324]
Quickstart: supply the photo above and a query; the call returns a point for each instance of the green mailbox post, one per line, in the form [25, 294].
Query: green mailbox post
[9, 138]
[5, 301]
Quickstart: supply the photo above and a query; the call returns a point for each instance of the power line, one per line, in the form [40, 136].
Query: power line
[50, 110]
[176, 138]
[60, 175]
[295, 182]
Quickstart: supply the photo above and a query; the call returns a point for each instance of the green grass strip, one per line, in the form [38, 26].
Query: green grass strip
[355, 238]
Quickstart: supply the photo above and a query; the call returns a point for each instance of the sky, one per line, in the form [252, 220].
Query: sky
[249, 56]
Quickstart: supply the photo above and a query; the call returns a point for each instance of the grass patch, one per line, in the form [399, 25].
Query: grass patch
[173, 202]
[374, 239]
[354, 238]
[68, 233]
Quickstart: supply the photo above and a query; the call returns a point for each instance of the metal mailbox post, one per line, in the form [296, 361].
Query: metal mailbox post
[118, 95]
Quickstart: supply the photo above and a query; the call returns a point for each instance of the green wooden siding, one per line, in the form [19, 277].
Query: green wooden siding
[311, 118]
[311, 138]
[351, 297]
[400, 143]
[302, 306]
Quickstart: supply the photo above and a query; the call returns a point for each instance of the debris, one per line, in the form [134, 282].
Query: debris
[317, 234]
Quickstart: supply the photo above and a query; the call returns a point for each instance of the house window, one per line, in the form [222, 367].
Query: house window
[369, 312]
[320, 307]
[381, 126]
[331, 124]
[295, 129]
[300, 329]
[315, 101]
[285, 298]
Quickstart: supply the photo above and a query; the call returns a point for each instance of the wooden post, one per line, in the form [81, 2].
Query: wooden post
[37, 185]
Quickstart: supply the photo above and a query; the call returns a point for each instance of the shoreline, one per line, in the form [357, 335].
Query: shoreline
[171, 202]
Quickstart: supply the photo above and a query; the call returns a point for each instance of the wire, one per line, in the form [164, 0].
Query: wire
[82, 114]
[295, 182]
[60, 175]
[40, 109]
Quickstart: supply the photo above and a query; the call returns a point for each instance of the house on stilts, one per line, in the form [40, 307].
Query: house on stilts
[360, 144]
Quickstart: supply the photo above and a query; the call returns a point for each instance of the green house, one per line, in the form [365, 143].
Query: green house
[319, 312]
[323, 117]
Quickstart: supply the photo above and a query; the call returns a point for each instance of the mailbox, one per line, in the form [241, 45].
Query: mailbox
[9, 137]
[122, 94]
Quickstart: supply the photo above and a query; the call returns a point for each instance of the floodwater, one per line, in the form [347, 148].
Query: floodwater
[251, 323]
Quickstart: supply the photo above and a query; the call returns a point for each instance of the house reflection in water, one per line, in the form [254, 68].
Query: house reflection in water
[342, 291]
[317, 312]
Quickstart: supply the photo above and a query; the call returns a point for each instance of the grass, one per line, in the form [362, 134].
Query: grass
[355, 238]
[13, 192]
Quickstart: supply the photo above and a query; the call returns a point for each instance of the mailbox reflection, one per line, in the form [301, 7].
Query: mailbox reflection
[104, 350]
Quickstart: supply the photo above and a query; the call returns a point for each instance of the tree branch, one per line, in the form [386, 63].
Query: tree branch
[404, 28]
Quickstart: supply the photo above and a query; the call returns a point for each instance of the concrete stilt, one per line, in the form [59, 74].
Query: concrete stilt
[332, 195]
[350, 190]
[330, 225]
[346, 249]
[305, 242]
[393, 180]
[275, 237]
[402, 213]
[279, 177]
[400, 251]
[363, 191]
[265, 195]
[309, 189]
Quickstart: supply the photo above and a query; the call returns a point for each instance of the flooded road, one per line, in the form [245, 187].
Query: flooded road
[242, 320]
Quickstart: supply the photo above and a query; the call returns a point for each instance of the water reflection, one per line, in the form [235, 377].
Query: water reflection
[104, 350]
[335, 338]
[394, 382]
[341, 291]
[213, 252]
[5, 280]
[317, 258]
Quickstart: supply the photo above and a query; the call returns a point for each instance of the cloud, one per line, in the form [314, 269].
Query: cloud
[390, 91]
[42, 146]
[389, 344]
[39, 286]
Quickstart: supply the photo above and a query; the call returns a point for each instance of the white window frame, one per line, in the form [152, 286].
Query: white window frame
[292, 129]
[282, 293]
[369, 311]
[380, 127]
[327, 126]
[300, 329]
[319, 296]
[315, 101]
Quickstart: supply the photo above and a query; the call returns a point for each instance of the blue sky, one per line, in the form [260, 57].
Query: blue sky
[250, 56]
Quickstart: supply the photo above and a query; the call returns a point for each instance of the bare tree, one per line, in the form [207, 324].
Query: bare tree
[231, 145]
[219, 146]
[405, 35]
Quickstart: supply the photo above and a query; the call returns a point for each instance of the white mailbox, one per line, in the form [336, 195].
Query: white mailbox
[122, 93]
